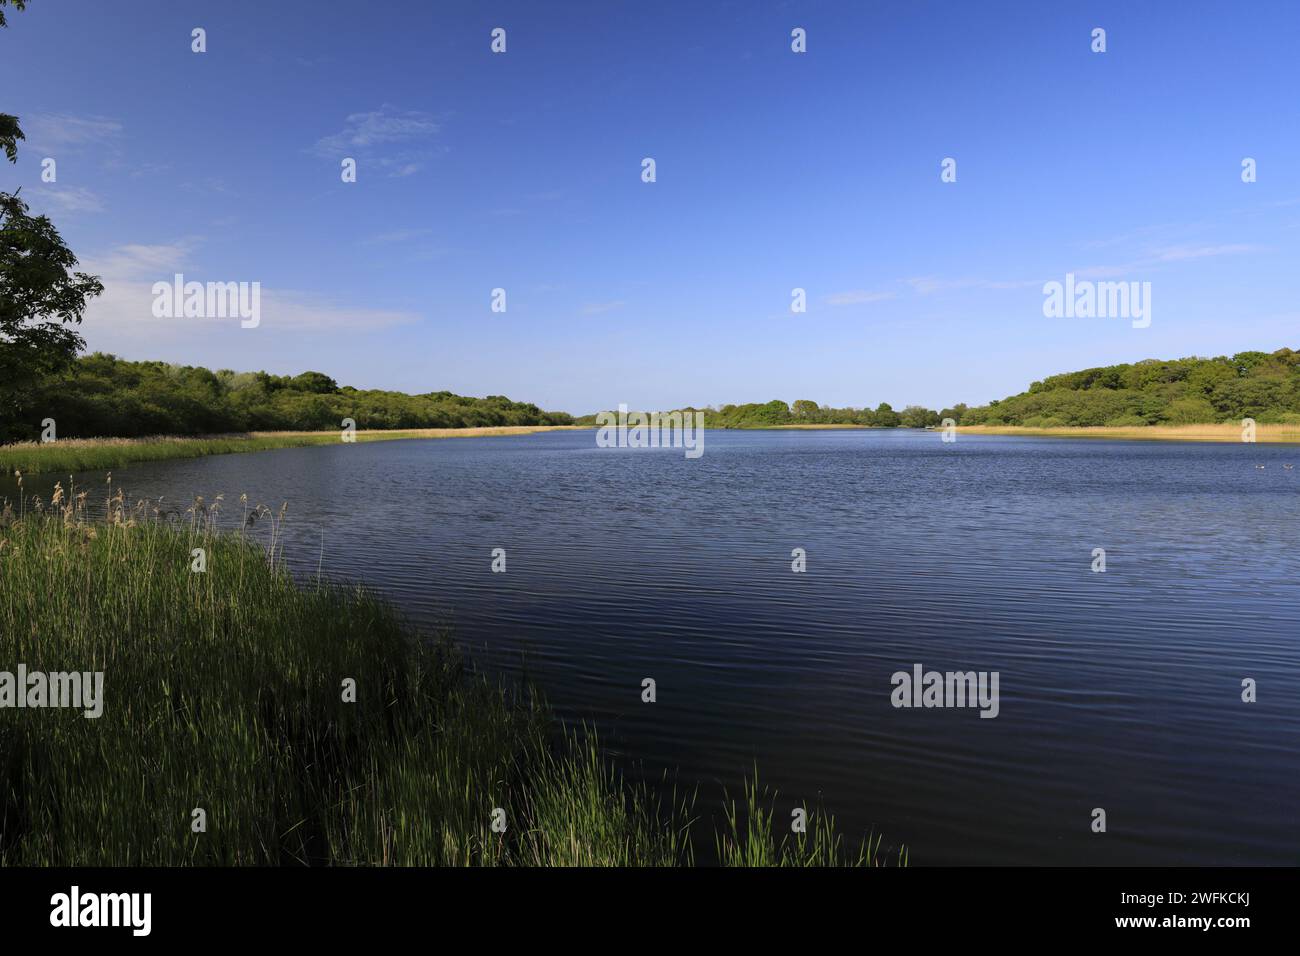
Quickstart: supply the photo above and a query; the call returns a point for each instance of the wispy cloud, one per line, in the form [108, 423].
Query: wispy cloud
[1140, 234]
[384, 125]
[858, 297]
[1149, 247]
[68, 199]
[124, 313]
[1181, 253]
[137, 261]
[383, 138]
[930, 285]
[1165, 255]
[55, 131]
[1150, 257]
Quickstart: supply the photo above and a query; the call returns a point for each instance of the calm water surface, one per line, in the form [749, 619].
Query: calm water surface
[1118, 690]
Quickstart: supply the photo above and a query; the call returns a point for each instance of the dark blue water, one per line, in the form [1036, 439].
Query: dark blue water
[1118, 690]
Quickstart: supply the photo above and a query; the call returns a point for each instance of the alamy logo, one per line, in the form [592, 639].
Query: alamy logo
[1085, 299]
[103, 909]
[652, 430]
[179, 299]
[79, 690]
[951, 689]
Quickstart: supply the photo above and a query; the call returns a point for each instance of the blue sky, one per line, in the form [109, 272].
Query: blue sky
[775, 170]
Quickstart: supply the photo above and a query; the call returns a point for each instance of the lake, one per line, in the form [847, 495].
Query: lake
[1119, 690]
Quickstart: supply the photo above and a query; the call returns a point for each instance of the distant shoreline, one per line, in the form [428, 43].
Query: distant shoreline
[1222, 432]
[94, 454]
[1226, 432]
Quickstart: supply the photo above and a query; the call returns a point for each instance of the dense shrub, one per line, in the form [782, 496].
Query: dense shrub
[106, 396]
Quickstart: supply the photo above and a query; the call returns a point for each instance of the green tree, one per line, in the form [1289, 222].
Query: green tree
[917, 416]
[17, 4]
[955, 413]
[317, 382]
[10, 134]
[1190, 411]
[40, 298]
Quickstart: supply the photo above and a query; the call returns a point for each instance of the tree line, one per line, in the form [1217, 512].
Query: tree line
[102, 395]
[807, 412]
[1264, 386]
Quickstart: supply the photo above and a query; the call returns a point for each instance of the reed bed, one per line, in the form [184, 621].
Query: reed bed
[749, 838]
[223, 691]
[102, 454]
[1224, 432]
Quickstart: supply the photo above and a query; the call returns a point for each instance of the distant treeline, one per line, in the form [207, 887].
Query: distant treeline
[806, 412]
[106, 396]
[1188, 391]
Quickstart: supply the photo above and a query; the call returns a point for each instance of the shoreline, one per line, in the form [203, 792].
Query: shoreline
[1228, 432]
[92, 454]
[311, 721]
